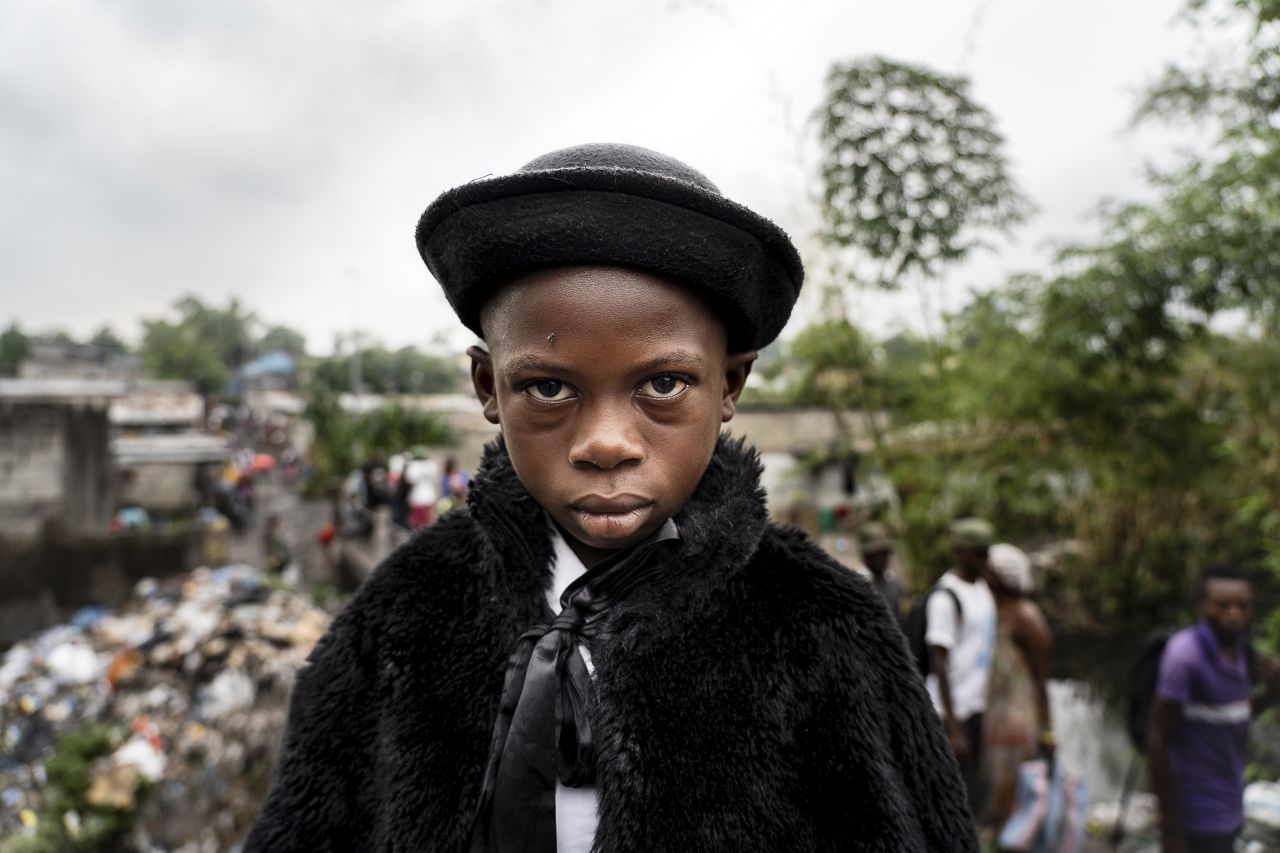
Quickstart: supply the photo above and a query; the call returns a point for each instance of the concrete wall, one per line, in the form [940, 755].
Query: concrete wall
[44, 582]
[32, 450]
[88, 472]
[55, 466]
[166, 487]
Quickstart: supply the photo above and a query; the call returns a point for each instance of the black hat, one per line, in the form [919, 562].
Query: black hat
[617, 205]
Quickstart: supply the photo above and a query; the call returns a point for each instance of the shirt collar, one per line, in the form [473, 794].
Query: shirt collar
[566, 567]
[1209, 643]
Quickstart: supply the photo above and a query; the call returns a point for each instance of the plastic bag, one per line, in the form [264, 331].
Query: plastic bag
[1048, 816]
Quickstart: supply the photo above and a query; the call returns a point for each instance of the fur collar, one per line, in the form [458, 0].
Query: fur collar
[720, 527]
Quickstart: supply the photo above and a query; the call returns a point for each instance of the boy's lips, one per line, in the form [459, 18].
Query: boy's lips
[611, 518]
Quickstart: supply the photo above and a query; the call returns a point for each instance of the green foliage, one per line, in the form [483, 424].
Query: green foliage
[14, 349]
[832, 361]
[69, 777]
[382, 371]
[207, 345]
[176, 351]
[912, 169]
[106, 340]
[344, 441]
[1238, 87]
[282, 338]
[228, 331]
[1103, 403]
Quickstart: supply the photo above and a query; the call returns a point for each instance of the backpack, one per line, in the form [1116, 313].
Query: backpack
[1144, 675]
[916, 626]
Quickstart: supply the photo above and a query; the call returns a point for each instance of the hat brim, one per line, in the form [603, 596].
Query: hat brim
[479, 236]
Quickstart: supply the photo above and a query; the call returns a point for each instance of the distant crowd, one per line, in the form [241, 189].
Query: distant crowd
[984, 647]
[412, 485]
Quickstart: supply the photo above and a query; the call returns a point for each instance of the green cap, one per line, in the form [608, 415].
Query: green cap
[873, 537]
[973, 533]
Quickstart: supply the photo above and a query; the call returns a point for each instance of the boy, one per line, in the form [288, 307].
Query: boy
[711, 681]
[1199, 726]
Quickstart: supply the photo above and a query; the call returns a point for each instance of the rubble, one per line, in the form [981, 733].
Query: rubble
[152, 727]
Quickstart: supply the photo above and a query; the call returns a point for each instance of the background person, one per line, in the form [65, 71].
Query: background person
[876, 542]
[1017, 725]
[960, 644]
[422, 474]
[1199, 729]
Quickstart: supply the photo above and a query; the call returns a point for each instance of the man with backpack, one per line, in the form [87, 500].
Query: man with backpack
[1198, 728]
[960, 631]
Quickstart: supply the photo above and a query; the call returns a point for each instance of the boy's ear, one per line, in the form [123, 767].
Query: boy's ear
[737, 368]
[485, 382]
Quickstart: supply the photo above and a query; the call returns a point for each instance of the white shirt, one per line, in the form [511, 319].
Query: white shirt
[577, 809]
[423, 475]
[969, 644]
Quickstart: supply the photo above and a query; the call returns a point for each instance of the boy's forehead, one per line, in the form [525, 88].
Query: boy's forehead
[598, 300]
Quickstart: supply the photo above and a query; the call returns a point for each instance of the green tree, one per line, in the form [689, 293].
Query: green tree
[14, 349]
[207, 344]
[1099, 402]
[282, 338]
[912, 171]
[230, 331]
[382, 371]
[1237, 87]
[106, 340]
[344, 440]
[177, 351]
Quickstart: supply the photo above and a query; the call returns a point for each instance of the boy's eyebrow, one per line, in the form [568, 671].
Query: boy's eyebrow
[531, 363]
[675, 358]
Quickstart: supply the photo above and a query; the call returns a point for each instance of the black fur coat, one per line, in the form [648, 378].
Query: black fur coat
[760, 699]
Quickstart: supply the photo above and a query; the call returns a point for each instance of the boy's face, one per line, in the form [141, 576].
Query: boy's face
[610, 386]
[1227, 604]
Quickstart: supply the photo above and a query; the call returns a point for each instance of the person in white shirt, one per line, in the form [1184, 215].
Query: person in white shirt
[960, 635]
[422, 473]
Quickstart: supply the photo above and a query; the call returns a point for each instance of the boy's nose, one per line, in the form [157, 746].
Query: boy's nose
[606, 438]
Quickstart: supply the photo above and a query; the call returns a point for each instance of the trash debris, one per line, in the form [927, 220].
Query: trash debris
[1262, 804]
[73, 663]
[114, 787]
[1262, 816]
[153, 725]
[229, 692]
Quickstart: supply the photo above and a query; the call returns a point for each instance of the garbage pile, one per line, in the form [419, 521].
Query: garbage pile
[153, 727]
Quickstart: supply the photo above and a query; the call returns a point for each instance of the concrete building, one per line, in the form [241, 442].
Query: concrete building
[55, 458]
[60, 486]
[63, 359]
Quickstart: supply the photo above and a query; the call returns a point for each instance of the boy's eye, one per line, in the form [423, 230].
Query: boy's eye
[550, 390]
[663, 386]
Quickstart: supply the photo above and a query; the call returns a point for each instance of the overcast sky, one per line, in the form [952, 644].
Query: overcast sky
[281, 152]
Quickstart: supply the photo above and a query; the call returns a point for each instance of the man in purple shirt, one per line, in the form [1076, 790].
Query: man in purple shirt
[1200, 720]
